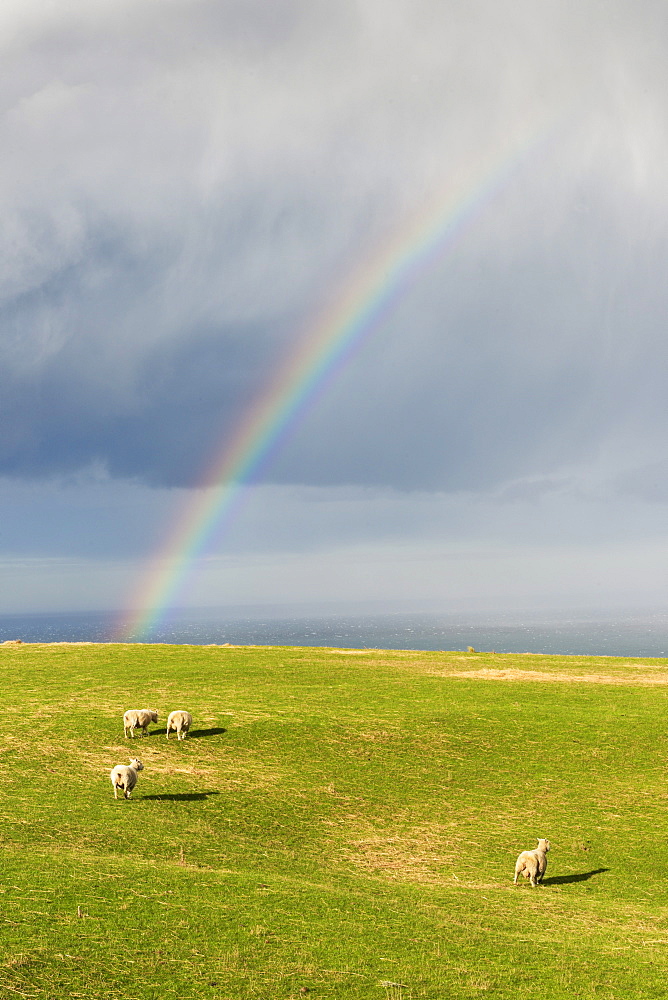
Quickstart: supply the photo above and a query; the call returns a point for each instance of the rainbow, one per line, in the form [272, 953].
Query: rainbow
[327, 344]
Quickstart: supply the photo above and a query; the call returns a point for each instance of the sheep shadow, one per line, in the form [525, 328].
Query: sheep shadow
[578, 877]
[180, 796]
[194, 734]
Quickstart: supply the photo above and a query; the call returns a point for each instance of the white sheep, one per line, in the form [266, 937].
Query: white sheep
[532, 864]
[138, 718]
[180, 722]
[124, 776]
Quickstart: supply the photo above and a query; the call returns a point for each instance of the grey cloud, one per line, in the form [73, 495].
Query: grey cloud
[645, 482]
[83, 516]
[185, 185]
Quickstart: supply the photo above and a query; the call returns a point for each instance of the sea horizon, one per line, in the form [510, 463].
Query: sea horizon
[637, 632]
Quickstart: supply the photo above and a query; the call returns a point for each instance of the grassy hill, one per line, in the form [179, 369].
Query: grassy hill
[340, 823]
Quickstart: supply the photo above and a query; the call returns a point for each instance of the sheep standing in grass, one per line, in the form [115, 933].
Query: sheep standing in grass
[138, 718]
[124, 776]
[180, 722]
[532, 864]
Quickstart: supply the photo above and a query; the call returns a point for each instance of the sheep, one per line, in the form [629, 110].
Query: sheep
[180, 722]
[124, 776]
[138, 718]
[532, 864]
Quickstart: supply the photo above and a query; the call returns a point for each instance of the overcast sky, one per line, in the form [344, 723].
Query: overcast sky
[186, 183]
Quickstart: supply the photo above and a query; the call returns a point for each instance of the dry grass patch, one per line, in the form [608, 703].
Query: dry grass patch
[379, 736]
[511, 674]
[155, 765]
[350, 652]
[414, 855]
[103, 761]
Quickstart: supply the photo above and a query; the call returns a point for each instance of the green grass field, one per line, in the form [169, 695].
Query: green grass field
[338, 824]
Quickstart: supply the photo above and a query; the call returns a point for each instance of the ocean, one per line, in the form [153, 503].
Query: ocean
[604, 633]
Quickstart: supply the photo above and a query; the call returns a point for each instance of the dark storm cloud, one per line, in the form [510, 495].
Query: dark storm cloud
[185, 183]
[143, 409]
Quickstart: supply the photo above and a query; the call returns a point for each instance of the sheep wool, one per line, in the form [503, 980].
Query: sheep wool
[180, 722]
[532, 864]
[138, 718]
[124, 776]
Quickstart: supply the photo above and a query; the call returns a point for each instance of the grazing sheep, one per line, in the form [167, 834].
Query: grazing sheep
[138, 718]
[180, 722]
[124, 776]
[532, 864]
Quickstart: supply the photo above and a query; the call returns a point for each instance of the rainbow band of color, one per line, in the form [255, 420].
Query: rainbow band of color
[366, 300]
